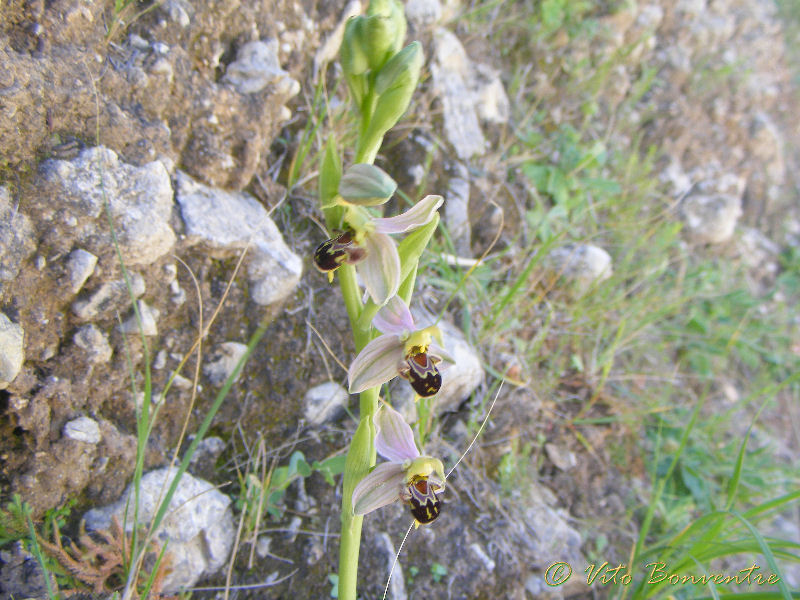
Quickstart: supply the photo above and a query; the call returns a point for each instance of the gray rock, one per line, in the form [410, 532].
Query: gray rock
[110, 296]
[324, 403]
[456, 213]
[490, 95]
[80, 266]
[206, 454]
[82, 429]
[451, 72]
[581, 264]
[561, 457]
[21, 574]
[148, 325]
[397, 584]
[17, 238]
[423, 13]
[226, 356]
[94, 342]
[551, 539]
[139, 199]
[226, 223]
[257, 66]
[469, 92]
[178, 11]
[262, 546]
[329, 49]
[711, 219]
[198, 526]
[12, 350]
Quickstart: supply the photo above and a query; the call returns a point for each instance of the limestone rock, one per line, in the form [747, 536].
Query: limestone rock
[12, 351]
[324, 403]
[456, 212]
[226, 356]
[711, 219]
[451, 71]
[94, 342]
[257, 66]
[198, 526]
[148, 325]
[226, 223]
[83, 429]
[469, 92]
[108, 297]
[17, 238]
[80, 266]
[139, 199]
[583, 264]
[423, 13]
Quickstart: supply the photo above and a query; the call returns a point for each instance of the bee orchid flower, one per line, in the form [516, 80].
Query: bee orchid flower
[403, 349]
[365, 240]
[407, 475]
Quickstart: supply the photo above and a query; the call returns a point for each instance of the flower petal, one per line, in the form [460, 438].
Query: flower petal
[435, 351]
[379, 488]
[380, 270]
[394, 317]
[394, 439]
[366, 185]
[416, 216]
[376, 363]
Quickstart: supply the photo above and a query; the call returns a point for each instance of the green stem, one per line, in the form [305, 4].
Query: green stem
[360, 459]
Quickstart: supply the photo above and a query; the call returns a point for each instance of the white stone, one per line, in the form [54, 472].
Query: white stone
[80, 265]
[12, 350]
[397, 584]
[226, 356]
[257, 66]
[82, 429]
[329, 49]
[227, 222]
[583, 264]
[561, 457]
[451, 70]
[456, 213]
[94, 342]
[108, 296]
[198, 527]
[149, 319]
[324, 403]
[17, 238]
[422, 13]
[139, 200]
[711, 219]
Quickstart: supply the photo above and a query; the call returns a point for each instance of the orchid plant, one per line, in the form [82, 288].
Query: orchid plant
[381, 76]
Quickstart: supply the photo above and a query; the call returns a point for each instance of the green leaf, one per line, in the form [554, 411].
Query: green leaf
[330, 173]
[330, 467]
[298, 465]
[413, 245]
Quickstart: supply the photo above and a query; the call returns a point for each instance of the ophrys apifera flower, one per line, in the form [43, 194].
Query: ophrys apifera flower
[403, 349]
[408, 476]
[365, 240]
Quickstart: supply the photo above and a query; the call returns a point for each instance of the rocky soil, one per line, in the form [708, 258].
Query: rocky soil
[178, 126]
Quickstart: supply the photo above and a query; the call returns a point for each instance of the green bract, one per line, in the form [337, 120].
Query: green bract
[366, 185]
